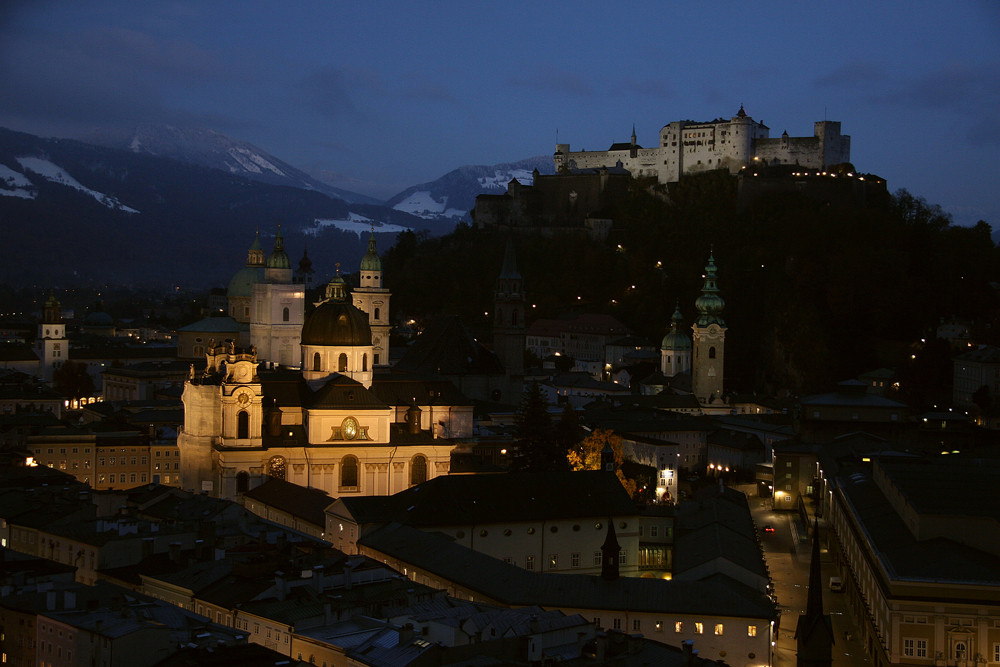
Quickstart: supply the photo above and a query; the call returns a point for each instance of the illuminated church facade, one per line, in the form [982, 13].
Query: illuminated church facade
[327, 423]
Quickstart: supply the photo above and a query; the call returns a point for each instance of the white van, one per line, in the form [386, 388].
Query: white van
[836, 585]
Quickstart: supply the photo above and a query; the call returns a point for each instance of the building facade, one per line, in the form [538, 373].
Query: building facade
[687, 147]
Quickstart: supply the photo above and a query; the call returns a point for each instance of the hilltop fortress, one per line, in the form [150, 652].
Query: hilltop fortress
[687, 147]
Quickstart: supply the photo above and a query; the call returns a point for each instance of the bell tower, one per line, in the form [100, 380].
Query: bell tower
[277, 308]
[52, 346]
[373, 299]
[508, 322]
[709, 338]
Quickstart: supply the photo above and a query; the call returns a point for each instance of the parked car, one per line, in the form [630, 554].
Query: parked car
[768, 528]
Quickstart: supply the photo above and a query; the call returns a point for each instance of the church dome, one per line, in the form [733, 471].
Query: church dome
[676, 341]
[243, 281]
[675, 338]
[337, 324]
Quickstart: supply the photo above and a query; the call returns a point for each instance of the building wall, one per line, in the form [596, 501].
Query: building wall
[689, 148]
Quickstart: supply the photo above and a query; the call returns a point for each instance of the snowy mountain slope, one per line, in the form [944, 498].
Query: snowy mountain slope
[209, 148]
[452, 196]
[56, 174]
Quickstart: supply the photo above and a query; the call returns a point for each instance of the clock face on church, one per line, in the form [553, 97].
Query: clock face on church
[349, 429]
[243, 398]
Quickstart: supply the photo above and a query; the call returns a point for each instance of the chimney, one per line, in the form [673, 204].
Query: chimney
[413, 419]
[406, 634]
[281, 584]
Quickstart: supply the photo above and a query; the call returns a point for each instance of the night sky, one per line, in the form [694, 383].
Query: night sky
[392, 94]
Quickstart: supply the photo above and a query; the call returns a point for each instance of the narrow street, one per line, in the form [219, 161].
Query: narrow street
[788, 550]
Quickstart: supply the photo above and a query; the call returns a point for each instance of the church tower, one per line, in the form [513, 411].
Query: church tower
[277, 308]
[52, 346]
[709, 340]
[222, 413]
[508, 323]
[373, 299]
[675, 349]
[241, 285]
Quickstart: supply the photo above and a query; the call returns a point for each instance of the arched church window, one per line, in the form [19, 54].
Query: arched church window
[376, 312]
[364, 362]
[711, 353]
[243, 424]
[276, 467]
[316, 363]
[342, 363]
[418, 470]
[349, 471]
[284, 315]
[242, 481]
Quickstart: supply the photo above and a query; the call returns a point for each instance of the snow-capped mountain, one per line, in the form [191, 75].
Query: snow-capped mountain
[452, 196]
[209, 148]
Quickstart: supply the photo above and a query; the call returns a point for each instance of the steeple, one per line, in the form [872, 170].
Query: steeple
[633, 134]
[279, 259]
[675, 348]
[508, 321]
[708, 340]
[610, 552]
[710, 304]
[814, 631]
[373, 299]
[304, 274]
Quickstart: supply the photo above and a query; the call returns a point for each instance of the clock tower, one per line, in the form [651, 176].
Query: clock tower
[52, 346]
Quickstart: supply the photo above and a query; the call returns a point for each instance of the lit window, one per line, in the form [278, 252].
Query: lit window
[751, 631]
[699, 628]
[529, 563]
[679, 626]
[718, 628]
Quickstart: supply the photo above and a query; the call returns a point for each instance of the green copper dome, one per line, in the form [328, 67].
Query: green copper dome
[371, 261]
[710, 304]
[241, 284]
[279, 259]
[675, 339]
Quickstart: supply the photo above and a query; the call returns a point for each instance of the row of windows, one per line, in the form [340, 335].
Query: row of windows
[678, 626]
[349, 471]
[574, 560]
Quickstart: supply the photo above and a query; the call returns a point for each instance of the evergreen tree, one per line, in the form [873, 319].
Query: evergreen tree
[537, 448]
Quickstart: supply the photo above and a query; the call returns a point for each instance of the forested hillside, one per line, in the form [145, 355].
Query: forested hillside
[815, 293]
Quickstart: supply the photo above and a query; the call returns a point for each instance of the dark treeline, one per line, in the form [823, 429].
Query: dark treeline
[815, 293]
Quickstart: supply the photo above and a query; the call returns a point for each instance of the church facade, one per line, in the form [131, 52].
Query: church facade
[323, 421]
[686, 147]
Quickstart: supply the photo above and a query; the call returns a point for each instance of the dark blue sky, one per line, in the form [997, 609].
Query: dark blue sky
[393, 94]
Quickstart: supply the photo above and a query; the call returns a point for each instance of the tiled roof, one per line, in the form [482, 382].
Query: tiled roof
[447, 348]
[296, 500]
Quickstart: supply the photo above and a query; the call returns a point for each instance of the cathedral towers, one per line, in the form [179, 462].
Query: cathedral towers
[709, 340]
[52, 345]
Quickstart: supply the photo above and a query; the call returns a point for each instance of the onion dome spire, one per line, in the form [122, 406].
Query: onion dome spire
[371, 261]
[279, 258]
[676, 339]
[710, 304]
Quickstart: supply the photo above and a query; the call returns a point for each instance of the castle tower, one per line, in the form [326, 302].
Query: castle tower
[675, 349]
[277, 308]
[709, 340]
[508, 323]
[241, 285]
[52, 347]
[222, 411]
[373, 299]
[337, 338]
